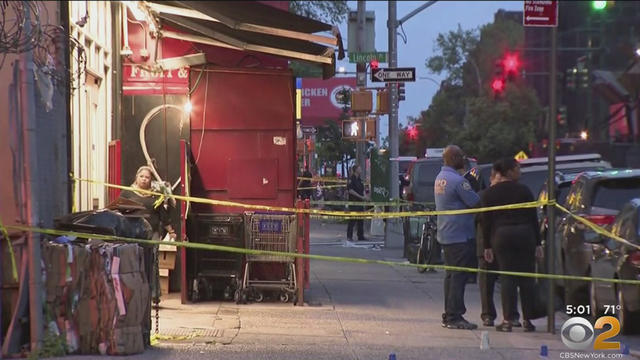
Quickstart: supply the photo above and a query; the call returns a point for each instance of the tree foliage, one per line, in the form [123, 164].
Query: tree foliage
[332, 12]
[452, 51]
[464, 110]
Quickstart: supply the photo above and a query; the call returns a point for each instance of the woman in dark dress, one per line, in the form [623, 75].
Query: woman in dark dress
[512, 237]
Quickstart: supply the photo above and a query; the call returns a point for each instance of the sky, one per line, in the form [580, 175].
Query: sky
[422, 31]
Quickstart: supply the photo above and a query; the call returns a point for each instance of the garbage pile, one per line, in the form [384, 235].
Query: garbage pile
[97, 292]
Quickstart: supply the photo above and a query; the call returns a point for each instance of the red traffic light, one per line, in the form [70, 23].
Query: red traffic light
[412, 132]
[374, 64]
[497, 85]
[511, 63]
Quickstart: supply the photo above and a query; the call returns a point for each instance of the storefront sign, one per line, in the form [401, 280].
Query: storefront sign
[141, 80]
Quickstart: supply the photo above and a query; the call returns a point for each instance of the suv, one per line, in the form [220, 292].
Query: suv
[534, 171]
[597, 196]
[422, 175]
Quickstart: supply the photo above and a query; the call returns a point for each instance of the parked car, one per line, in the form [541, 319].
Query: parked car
[597, 196]
[535, 171]
[614, 260]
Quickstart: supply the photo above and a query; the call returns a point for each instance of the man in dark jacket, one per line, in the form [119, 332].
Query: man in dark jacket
[356, 193]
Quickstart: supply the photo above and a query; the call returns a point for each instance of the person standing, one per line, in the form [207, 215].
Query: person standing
[511, 237]
[456, 234]
[160, 220]
[356, 193]
[487, 281]
[305, 184]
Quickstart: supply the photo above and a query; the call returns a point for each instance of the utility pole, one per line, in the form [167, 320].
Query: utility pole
[361, 82]
[551, 184]
[392, 25]
[28, 111]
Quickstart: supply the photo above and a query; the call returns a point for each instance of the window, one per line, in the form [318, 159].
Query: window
[614, 193]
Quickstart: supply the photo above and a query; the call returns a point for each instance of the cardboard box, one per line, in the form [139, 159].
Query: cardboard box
[167, 259]
[164, 281]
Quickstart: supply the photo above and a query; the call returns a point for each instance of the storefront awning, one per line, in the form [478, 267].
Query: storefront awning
[251, 26]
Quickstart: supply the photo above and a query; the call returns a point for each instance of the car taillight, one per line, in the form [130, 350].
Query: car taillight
[601, 220]
[634, 258]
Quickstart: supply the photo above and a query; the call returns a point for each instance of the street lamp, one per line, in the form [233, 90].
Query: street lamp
[584, 135]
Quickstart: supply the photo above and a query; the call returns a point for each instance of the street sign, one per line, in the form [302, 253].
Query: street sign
[393, 74]
[540, 13]
[309, 130]
[365, 57]
[521, 156]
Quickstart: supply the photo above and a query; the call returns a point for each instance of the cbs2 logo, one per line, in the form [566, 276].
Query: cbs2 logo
[577, 333]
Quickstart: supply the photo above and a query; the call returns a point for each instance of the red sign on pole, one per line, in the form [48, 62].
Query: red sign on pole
[540, 13]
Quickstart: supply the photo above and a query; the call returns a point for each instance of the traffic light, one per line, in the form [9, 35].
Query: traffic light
[352, 129]
[401, 93]
[570, 78]
[412, 132]
[511, 63]
[599, 5]
[497, 84]
[561, 116]
[374, 64]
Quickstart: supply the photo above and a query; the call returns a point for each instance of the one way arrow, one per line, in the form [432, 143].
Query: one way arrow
[379, 75]
[539, 18]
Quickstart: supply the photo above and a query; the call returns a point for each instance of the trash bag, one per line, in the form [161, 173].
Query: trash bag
[106, 222]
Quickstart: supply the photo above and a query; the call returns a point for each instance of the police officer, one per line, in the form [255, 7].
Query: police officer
[356, 193]
[456, 234]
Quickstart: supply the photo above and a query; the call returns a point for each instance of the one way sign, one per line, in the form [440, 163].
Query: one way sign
[393, 74]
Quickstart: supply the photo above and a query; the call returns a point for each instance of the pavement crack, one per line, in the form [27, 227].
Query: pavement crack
[344, 333]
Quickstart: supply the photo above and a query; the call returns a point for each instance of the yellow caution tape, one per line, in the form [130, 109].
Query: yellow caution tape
[203, 246]
[321, 179]
[371, 203]
[598, 229]
[14, 268]
[351, 214]
[321, 186]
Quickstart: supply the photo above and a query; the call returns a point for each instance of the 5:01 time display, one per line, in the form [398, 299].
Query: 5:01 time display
[578, 310]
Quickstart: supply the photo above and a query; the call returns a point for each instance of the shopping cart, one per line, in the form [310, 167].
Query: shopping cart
[269, 232]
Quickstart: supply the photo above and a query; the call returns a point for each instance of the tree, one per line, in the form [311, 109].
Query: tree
[330, 147]
[454, 49]
[332, 12]
[464, 111]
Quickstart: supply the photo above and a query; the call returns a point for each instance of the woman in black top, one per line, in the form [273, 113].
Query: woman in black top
[158, 216]
[512, 235]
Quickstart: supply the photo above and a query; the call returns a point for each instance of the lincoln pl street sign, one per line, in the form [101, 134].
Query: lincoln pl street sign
[365, 57]
[540, 13]
[393, 74]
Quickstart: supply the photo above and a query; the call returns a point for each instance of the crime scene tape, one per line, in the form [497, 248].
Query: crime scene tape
[318, 212]
[14, 268]
[598, 229]
[370, 203]
[321, 186]
[203, 246]
[326, 180]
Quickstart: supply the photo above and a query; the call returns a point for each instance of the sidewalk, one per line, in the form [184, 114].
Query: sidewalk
[352, 311]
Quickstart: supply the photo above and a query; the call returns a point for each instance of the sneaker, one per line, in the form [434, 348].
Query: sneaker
[461, 324]
[487, 322]
[528, 326]
[515, 323]
[444, 324]
[504, 327]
